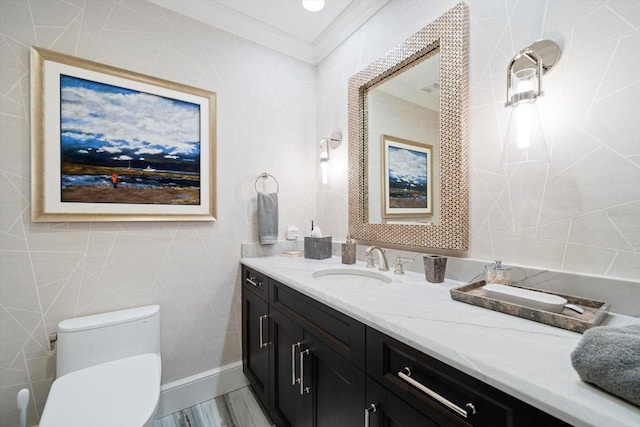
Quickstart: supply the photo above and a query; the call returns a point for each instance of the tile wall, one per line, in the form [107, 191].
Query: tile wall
[49, 272]
[581, 213]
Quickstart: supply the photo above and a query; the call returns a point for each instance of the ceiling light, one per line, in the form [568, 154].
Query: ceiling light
[313, 5]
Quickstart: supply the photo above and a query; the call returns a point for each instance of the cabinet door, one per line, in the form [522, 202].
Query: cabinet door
[336, 388]
[286, 400]
[255, 351]
[385, 409]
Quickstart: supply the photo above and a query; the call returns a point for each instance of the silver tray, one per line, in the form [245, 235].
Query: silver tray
[594, 311]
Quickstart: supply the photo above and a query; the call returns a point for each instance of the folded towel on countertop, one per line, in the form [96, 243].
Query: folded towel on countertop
[609, 357]
[268, 218]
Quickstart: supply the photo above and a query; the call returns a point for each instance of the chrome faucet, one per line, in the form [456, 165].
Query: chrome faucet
[382, 258]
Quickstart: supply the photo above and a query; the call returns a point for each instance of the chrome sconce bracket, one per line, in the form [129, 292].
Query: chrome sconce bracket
[542, 55]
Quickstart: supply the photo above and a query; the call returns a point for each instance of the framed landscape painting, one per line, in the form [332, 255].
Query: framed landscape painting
[407, 178]
[113, 145]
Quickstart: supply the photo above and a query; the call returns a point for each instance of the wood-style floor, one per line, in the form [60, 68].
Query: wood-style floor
[236, 409]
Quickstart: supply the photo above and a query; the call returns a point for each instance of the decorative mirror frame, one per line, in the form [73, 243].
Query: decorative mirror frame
[451, 33]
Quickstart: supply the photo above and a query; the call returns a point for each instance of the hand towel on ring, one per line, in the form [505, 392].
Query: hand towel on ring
[268, 218]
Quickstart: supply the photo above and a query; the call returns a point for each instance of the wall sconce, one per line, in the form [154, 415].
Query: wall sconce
[326, 145]
[524, 143]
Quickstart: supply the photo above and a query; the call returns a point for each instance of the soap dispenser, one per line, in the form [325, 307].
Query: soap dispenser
[497, 274]
[349, 251]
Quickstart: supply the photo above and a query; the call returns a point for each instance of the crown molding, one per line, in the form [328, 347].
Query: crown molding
[353, 17]
[231, 21]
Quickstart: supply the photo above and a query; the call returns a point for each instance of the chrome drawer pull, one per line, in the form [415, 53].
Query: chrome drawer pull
[294, 380]
[433, 394]
[303, 389]
[367, 411]
[253, 281]
[262, 343]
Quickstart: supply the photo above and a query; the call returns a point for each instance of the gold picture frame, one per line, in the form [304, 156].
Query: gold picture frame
[109, 144]
[407, 178]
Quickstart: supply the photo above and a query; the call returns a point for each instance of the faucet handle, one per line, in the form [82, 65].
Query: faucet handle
[369, 256]
[399, 266]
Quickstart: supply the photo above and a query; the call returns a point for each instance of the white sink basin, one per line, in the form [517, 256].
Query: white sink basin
[351, 277]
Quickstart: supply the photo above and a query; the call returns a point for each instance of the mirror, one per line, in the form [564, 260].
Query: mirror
[408, 181]
[404, 145]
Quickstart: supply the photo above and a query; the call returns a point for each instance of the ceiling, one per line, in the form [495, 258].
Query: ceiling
[418, 85]
[283, 25]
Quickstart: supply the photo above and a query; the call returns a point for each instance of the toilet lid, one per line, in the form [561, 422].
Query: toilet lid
[122, 393]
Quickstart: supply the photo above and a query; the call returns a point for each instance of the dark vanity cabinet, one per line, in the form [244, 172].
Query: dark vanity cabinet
[312, 366]
[385, 409]
[446, 395]
[287, 404]
[314, 357]
[255, 323]
[313, 382]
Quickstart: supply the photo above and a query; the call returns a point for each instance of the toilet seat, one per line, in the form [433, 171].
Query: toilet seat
[122, 393]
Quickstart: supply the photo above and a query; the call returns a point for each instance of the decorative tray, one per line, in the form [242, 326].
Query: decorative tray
[594, 311]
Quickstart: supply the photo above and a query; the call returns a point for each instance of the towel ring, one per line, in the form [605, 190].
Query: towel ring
[265, 176]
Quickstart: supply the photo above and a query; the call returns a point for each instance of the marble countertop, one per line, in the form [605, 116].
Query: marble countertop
[523, 358]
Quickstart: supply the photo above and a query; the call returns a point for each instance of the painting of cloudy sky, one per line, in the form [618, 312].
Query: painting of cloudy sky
[407, 177]
[149, 141]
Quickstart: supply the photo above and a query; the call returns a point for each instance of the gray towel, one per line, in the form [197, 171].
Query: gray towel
[268, 218]
[610, 358]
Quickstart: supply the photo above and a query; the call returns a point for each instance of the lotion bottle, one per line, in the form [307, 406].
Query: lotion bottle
[497, 274]
[349, 251]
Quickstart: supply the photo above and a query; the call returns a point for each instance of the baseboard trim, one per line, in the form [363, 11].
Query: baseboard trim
[186, 392]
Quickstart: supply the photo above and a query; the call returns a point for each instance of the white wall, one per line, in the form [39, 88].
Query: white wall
[582, 212]
[49, 272]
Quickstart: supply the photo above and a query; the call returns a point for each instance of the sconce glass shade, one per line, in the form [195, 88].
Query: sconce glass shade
[324, 160]
[524, 143]
[326, 144]
[324, 171]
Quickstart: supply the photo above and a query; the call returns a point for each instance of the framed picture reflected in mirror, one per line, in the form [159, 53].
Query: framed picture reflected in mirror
[407, 178]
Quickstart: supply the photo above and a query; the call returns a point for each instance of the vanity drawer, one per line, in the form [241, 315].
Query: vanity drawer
[444, 394]
[255, 282]
[340, 332]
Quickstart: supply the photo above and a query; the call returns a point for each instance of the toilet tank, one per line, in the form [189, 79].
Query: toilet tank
[91, 340]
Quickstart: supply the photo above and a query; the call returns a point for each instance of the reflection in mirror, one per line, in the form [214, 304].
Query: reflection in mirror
[405, 109]
[405, 209]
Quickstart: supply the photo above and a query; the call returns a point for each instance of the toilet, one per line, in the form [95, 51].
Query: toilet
[108, 370]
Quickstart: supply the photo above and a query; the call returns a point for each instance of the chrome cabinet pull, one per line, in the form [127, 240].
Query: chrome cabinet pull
[303, 389]
[262, 319]
[253, 281]
[372, 408]
[294, 380]
[426, 390]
